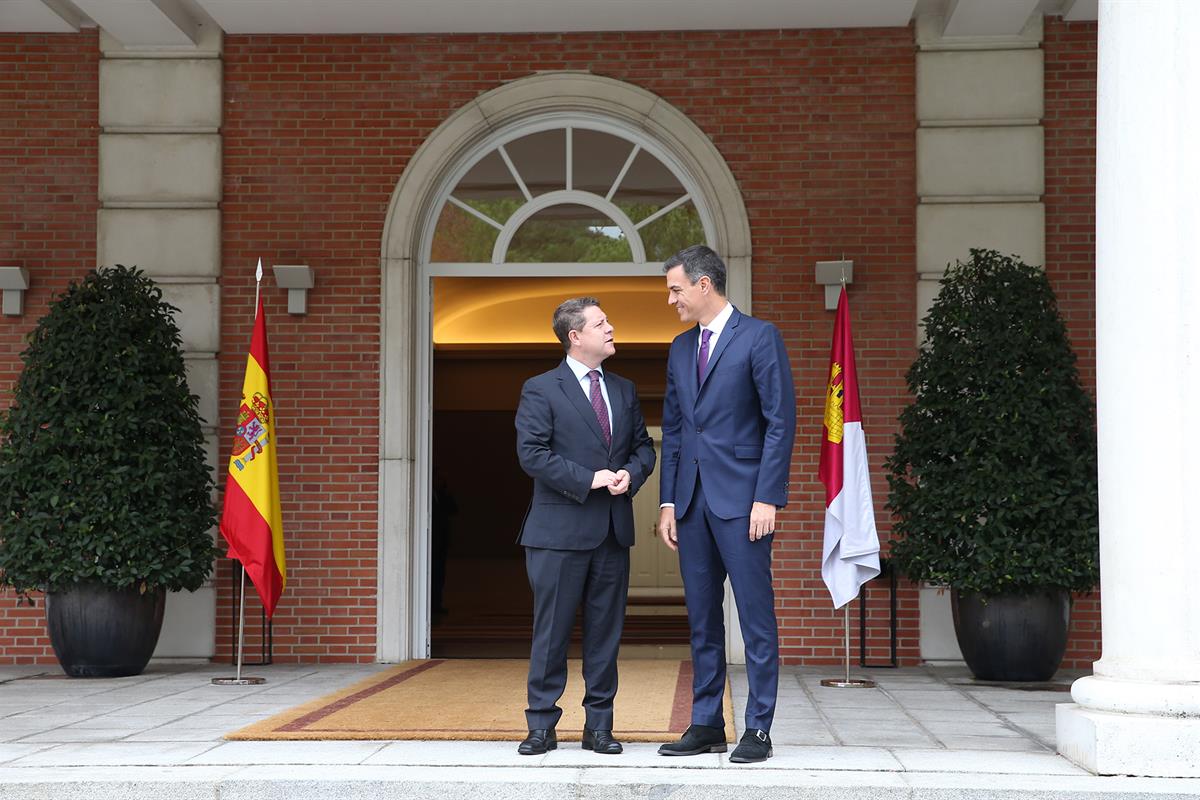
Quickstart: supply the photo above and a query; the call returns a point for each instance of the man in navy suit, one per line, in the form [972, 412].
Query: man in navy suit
[582, 438]
[729, 422]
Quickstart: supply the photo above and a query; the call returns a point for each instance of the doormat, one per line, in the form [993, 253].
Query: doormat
[485, 699]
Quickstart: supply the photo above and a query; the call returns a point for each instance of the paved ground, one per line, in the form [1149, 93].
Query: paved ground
[923, 732]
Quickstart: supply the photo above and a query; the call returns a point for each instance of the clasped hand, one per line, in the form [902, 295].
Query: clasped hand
[616, 482]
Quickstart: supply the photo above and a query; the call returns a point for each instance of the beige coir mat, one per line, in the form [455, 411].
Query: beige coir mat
[481, 699]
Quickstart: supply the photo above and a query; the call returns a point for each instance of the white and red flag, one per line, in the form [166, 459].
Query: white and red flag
[850, 556]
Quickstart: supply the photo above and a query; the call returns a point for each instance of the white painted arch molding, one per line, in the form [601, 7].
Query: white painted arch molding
[404, 397]
[559, 92]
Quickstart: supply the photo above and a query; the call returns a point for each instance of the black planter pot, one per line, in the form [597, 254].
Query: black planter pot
[99, 632]
[1012, 637]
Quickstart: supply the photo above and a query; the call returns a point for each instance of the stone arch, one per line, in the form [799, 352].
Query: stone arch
[404, 368]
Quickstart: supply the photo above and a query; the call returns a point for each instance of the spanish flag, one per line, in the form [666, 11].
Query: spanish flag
[850, 556]
[251, 520]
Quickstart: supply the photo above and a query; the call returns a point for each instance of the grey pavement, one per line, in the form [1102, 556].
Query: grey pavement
[921, 733]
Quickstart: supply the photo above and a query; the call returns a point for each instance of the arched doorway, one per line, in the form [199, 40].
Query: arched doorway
[499, 191]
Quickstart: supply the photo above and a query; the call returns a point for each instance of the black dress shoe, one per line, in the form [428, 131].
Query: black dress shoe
[537, 742]
[754, 746]
[601, 742]
[695, 740]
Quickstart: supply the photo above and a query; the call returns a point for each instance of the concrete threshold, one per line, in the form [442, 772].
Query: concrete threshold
[352, 782]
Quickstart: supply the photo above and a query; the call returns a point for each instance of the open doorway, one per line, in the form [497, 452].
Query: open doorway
[489, 336]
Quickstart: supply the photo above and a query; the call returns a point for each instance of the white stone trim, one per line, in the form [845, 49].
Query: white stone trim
[931, 35]
[1154, 695]
[980, 180]
[981, 87]
[159, 187]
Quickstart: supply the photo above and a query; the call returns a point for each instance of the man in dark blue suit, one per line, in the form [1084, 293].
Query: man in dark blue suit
[729, 423]
[582, 438]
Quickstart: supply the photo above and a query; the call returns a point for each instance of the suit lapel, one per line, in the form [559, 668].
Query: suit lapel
[616, 402]
[727, 335]
[687, 382]
[573, 389]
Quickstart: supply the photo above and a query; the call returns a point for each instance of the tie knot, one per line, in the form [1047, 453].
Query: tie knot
[594, 374]
[706, 334]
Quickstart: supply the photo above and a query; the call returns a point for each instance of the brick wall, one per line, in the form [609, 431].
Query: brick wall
[48, 173]
[1070, 127]
[816, 126]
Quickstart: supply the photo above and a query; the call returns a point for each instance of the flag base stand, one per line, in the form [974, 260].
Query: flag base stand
[239, 679]
[847, 682]
[853, 683]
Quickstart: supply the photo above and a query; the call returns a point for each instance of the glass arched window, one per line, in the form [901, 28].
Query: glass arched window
[565, 192]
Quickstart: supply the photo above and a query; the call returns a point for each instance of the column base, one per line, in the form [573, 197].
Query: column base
[1113, 743]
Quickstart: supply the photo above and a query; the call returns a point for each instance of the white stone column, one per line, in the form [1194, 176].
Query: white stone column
[980, 181]
[1139, 714]
[160, 189]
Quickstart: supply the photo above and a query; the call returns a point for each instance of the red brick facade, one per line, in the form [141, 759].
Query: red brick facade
[1070, 128]
[817, 127]
[49, 139]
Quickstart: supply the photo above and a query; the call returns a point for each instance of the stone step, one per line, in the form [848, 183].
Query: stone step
[344, 782]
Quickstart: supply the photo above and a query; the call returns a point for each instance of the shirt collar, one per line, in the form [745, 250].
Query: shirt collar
[581, 370]
[719, 321]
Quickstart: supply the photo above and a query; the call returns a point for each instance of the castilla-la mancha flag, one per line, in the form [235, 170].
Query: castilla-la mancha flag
[850, 556]
[252, 521]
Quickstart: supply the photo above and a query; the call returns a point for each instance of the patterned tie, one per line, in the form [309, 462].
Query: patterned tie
[599, 407]
[702, 361]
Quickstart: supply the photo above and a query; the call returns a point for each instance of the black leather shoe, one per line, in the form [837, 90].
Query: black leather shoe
[601, 742]
[537, 742]
[754, 746]
[696, 739]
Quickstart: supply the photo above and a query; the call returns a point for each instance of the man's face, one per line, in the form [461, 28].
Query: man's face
[594, 342]
[687, 297]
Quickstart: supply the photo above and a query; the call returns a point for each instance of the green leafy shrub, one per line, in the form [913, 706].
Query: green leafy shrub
[993, 479]
[102, 467]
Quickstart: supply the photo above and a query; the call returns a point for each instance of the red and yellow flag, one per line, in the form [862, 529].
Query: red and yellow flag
[252, 521]
[850, 555]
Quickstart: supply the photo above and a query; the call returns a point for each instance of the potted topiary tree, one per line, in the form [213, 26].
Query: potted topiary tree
[993, 479]
[105, 496]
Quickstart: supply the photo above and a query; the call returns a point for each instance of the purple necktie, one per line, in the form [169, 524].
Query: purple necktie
[599, 407]
[702, 361]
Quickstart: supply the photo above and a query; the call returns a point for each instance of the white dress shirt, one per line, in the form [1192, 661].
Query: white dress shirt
[581, 371]
[716, 326]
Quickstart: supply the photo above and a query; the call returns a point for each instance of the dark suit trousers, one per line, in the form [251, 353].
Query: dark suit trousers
[709, 549]
[561, 580]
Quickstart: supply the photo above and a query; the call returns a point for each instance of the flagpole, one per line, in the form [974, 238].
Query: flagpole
[841, 406]
[242, 628]
[846, 631]
[258, 284]
[848, 683]
[238, 680]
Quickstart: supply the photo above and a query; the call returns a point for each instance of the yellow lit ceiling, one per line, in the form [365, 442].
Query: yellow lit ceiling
[490, 311]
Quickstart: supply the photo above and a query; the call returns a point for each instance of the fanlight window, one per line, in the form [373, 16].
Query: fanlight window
[569, 194]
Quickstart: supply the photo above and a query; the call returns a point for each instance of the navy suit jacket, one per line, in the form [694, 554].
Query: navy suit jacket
[737, 429]
[560, 446]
